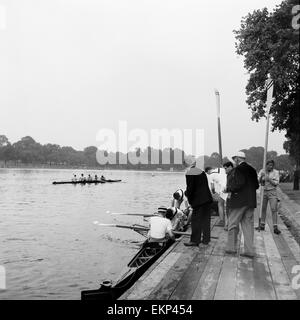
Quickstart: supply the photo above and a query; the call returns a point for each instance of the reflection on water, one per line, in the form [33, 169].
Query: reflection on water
[49, 246]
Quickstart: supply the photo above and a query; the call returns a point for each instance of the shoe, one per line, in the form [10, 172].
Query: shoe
[261, 228]
[191, 244]
[205, 243]
[247, 255]
[276, 230]
[230, 252]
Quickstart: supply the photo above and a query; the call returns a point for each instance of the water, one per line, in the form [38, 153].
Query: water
[50, 247]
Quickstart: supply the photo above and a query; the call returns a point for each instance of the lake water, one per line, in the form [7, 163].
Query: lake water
[49, 246]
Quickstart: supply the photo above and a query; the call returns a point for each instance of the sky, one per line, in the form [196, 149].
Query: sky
[69, 68]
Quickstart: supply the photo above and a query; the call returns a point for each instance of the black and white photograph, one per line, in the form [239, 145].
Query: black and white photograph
[149, 151]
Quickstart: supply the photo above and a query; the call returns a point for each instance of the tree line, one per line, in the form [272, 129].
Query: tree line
[27, 151]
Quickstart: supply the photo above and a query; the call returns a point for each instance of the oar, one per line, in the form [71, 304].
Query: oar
[120, 226]
[125, 226]
[132, 214]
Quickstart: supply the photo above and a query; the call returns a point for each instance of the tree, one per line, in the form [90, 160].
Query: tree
[6, 149]
[28, 151]
[270, 45]
[3, 141]
[90, 155]
[51, 153]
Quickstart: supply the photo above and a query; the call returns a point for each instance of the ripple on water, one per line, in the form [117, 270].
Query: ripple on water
[20, 239]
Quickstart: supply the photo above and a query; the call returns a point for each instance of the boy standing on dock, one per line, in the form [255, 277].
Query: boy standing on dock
[269, 181]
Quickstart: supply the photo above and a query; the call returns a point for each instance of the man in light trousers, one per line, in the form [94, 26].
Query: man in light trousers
[243, 203]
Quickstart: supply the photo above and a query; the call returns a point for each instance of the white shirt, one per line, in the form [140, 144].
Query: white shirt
[273, 179]
[219, 181]
[159, 226]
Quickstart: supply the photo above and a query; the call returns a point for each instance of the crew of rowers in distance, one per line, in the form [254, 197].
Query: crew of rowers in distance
[82, 178]
[170, 219]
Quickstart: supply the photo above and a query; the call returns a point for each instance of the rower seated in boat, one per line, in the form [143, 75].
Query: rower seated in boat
[89, 178]
[82, 178]
[74, 179]
[160, 227]
[96, 177]
[178, 219]
[102, 177]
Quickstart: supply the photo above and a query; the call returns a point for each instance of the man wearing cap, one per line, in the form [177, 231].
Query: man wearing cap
[200, 199]
[242, 202]
[160, 226]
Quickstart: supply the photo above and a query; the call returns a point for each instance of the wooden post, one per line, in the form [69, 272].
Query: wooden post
[219, 126]
[269, 85]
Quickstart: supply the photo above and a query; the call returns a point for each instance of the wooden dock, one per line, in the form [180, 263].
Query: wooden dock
[207, 273]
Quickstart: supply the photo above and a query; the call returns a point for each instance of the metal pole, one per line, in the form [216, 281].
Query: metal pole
[219, 126]
[269, 85]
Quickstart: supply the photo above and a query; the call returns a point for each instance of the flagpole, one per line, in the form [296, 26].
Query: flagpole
[219, 125]
[269, 85]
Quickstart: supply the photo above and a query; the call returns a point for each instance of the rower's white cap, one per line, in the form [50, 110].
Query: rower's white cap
[239, 154]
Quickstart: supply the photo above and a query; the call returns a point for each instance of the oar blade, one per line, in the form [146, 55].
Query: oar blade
[146, 215]
[104, 224]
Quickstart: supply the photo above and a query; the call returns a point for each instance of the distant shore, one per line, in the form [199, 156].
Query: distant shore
[55, 167]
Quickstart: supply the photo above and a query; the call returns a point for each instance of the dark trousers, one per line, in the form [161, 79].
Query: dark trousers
[200, 223]
[296, 183]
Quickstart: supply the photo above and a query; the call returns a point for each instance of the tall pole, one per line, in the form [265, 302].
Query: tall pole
[269, 85]
[219, 126]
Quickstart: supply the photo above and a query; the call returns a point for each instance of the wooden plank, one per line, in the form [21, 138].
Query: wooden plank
[207, 284]
[289, 265]
[221, 244]
[188, 283]
[180, 246]
[263, 282]
[260, 250]
[166, 287]
[280, 278]
[289, 239]
[144, 289]
[282, 247]
[227, 281]
[293, 245]
[289, 208]
[245, 280]
[286, 254]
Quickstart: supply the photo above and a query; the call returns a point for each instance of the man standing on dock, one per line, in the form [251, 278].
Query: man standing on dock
[200, 199]
[269, 181]
[243, 202]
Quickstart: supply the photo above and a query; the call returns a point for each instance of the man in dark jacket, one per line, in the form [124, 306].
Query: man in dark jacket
[200, 199]
[242, 203]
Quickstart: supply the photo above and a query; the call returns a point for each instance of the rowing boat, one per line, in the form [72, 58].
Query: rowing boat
[78, 182]
[86, 182]
[110, 180]
[146, 256]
